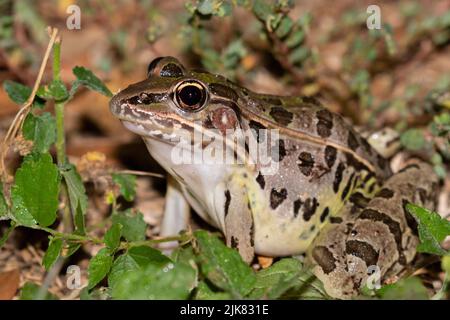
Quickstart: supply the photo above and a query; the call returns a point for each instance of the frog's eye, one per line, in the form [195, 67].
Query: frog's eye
[165, 67]
[190, 95]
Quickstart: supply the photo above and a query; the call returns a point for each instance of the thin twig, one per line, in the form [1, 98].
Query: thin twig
[17, 123]
[141, 173]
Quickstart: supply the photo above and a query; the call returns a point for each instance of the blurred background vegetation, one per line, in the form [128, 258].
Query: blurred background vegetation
[397, 76]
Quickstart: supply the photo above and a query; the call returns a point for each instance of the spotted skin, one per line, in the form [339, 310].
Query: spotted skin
[383, 234]
[332, 194]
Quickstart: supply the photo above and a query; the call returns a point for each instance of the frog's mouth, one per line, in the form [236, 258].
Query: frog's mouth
[150, 131]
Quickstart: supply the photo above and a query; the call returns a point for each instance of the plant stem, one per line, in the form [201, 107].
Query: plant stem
[59, 107]
[124, 245]
[60, 139]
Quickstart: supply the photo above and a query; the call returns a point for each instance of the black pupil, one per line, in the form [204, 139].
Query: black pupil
[190, 95]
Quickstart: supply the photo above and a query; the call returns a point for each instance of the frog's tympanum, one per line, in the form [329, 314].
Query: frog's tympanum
[332, 196]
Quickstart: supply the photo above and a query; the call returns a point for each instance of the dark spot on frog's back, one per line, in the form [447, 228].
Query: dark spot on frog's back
[338, 177]
[324, 214]
[261, 181]
[324, 123]
[362, 250]
[306, 163]
[336, 220]
[359, 200]
[279, 151]
[258, 130]
[330, 155]
[223, 91]
[277, 197]
[281, 115]
[347, 187]
[324, 259]
[309, 208]
[352, 141]
[422, 195]
[297, 205]
[385, 193]
[394, 226]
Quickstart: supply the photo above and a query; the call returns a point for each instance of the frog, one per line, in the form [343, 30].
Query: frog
[327, 194]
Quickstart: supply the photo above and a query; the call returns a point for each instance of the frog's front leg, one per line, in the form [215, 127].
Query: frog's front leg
[176, 214]
[238, 217]
[381, 237]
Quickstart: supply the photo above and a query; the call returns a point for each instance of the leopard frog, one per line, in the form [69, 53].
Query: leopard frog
[331, 195]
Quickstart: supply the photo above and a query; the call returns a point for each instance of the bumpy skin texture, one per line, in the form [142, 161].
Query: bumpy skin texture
[327, 179]
[381, 235]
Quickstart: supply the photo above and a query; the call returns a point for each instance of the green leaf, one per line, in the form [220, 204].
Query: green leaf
[223, 266]
[112, 236]
[432, 229]
[405, 289]
[262, 9]
[144, 255]
[295, 39]
[88, 79]
[122, 265]
[35, 191]
[170, 282]
[30, 291]
[99, 267]
[127, 184]
[285, 27]
[413, 139]
[268, 280]
[52, 253]
[287, 279]
[134, 226]
[41, 130]
[136, 258]
[77, 196]
[19, 93]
